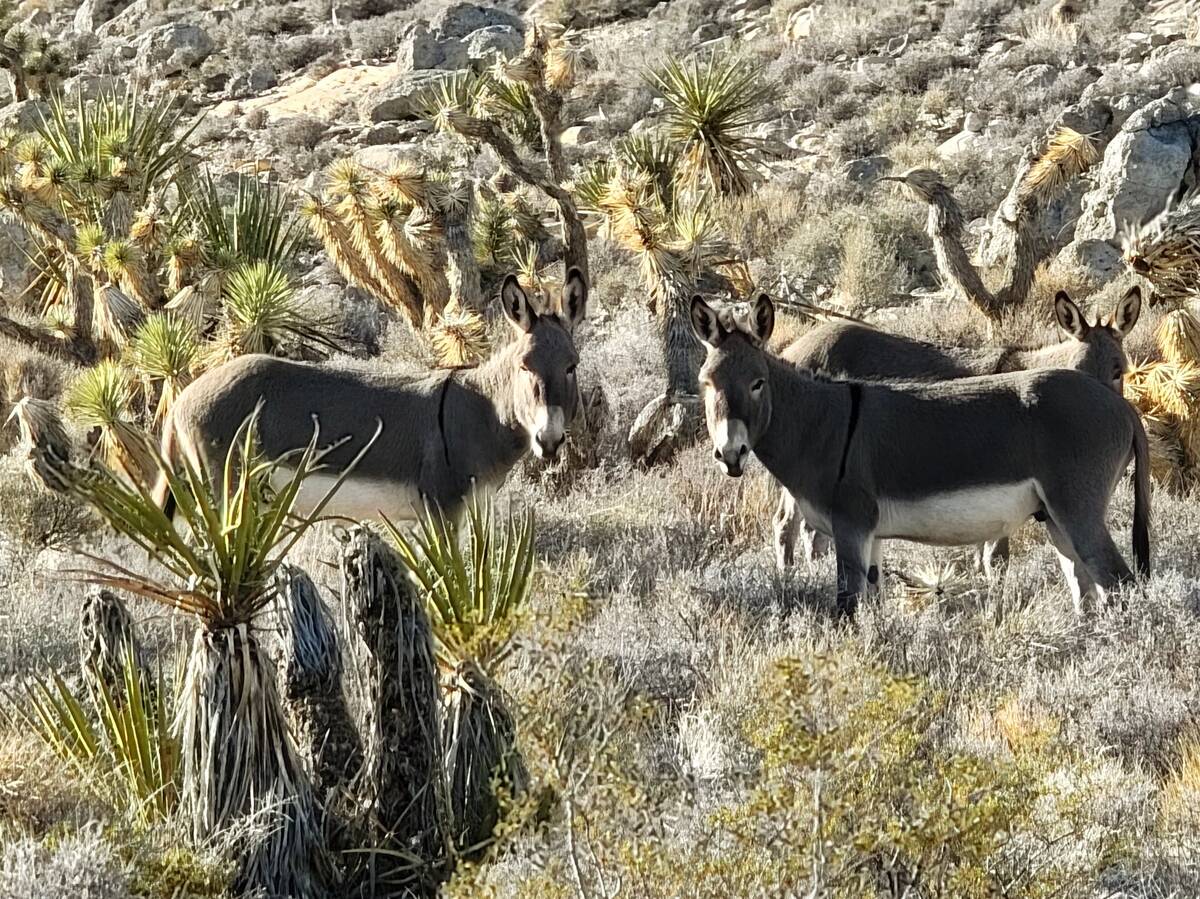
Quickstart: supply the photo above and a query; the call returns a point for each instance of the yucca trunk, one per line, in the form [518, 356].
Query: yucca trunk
[241, 770]
[107, 641]
[310, 667]
[479, 736]
[402, 781]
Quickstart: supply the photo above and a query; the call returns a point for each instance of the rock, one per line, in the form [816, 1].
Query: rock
[576, 135]
[960, 143]
[1089, 263]
[170, 49]
[91, 86]
[399, 98]
[252, 83]
[1142, 169]
[383, 133]
[867, 169]
[1037, 76]
[709, 31]
[484, 45]
[131, 21]
[419, 49]
[24, 116]
[799, 24]
[384, 157]
[91, 14]
[14, 269]
[974, 122]
[457, 20]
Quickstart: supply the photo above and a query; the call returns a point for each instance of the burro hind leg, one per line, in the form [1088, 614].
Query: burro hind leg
[1083, 588]
[1082, 523]
[816, 544]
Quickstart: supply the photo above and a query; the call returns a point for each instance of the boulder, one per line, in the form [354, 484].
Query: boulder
[457, 20]
[24, 116]
[399, 98]
[1143, 168]
[170, 49]
[484, 45]
[252, 83]
[960, 143]
[866, 169]
[420, 49]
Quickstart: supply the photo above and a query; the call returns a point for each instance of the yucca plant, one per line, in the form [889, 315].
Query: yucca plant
[103, 398]
[712, 105]
[255, 225]
[476, 579]
[261, 314]
[237, 526]
[122, 742]
[166, 353]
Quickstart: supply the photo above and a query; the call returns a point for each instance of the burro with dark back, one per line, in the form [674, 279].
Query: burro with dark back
[435, 438]
[947, 463]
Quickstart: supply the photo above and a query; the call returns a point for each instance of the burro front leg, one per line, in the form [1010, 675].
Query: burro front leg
[854, 520]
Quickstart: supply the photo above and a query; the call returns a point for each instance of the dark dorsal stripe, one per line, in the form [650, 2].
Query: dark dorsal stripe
[442, 416]
[855, 400]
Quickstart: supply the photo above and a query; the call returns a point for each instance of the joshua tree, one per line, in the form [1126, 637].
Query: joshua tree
[1067, 154]
[33, 62]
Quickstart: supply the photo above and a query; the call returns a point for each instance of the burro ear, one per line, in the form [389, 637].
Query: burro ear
[1126, 313]
[572, 305]
[516, 305]
[706, 324]
[762, 318]
[1068, 316]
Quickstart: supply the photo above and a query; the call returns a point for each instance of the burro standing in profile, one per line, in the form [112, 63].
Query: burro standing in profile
[947, 463]
[429, 439]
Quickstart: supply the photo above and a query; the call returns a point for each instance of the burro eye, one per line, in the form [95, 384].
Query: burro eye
[758, 385]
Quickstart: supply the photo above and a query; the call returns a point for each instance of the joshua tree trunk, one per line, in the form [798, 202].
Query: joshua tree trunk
[310, 666]
[462, 269]
[240, 768]
[402, 778]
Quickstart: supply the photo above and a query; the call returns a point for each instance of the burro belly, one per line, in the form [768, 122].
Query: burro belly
[963, 516]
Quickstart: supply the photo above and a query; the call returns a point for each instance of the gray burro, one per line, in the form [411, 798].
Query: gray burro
[856, 351]
[948, 463]
[428, 439]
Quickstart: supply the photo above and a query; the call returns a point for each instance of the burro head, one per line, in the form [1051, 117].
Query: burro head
[734, 380]
[544, 391]
[1097, 349]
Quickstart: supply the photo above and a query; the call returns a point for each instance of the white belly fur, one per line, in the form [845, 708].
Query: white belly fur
[971, 515]
[357, 498]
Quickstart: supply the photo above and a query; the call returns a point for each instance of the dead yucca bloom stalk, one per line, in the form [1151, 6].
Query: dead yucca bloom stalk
[1068, 154]
[115, 317]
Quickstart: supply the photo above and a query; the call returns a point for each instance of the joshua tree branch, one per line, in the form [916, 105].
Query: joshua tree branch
[42, 340]
[575, 236]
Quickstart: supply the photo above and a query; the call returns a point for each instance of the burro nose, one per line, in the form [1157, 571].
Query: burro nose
[732, 459]
[731, 446]
[546, 444]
